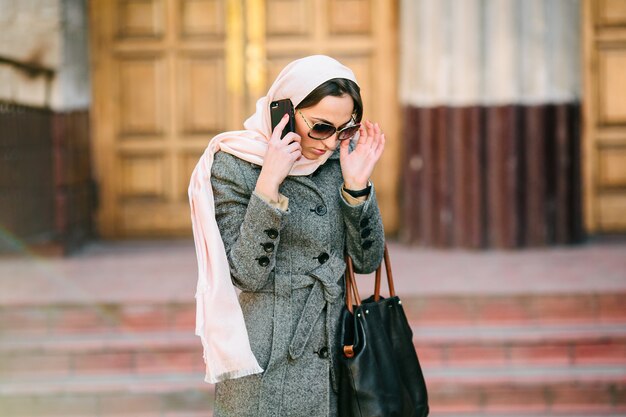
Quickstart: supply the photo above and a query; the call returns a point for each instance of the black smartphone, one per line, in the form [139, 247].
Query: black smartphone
[278, 109]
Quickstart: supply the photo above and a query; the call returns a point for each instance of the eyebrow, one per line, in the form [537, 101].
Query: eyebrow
[326, 121]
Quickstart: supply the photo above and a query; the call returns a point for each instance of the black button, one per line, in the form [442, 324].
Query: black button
[323, 353]
[323, 257]
[364, 222]
[268, 247]
[272, 233]
[264, 261]
[320, 210]
[366, 232]
[367, 244]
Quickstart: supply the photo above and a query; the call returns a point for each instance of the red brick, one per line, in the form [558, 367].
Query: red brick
[429, 356]
[509, 309]
[24, 320]
[35, 364]
[144, 317]
[453, 399]
[184, 317]
[130, 404]
[80, 318]
[611, 352]
[515, 399]
[173, 361]
[558, 354]
[560, 308]
[103, 362]
[439, 310]
[578, 398]
[612, 307]
[472, 355]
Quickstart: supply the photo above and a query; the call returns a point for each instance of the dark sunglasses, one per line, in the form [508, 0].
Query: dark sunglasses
[321, 131]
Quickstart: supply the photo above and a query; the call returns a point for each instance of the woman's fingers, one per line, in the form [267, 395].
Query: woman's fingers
[279, 128]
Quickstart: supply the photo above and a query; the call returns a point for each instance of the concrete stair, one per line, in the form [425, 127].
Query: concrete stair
[496, 355]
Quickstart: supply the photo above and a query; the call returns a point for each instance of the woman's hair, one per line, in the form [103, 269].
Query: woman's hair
[336, 87]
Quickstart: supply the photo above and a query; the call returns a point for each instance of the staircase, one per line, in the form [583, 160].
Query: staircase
[512, 353]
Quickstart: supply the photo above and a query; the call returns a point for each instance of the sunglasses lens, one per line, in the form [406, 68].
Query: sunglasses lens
[349, 132]
[322, 131]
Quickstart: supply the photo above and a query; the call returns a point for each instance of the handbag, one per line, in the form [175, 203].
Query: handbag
[380, 374]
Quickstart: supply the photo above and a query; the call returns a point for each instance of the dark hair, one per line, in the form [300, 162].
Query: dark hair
[335, 87]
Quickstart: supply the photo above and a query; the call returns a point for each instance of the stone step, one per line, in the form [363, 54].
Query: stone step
[479, 392]
[564, 345]
[425, 310]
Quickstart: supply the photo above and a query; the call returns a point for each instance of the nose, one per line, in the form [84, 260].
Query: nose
[331, 142]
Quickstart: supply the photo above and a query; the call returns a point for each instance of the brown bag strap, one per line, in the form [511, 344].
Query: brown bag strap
[351, 286]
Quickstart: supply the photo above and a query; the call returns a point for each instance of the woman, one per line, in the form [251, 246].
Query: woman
[277, 220]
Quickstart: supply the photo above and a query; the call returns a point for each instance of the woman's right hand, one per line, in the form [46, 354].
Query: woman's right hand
[279, 159]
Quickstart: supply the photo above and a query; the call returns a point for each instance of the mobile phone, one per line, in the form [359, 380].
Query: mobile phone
[278, 109]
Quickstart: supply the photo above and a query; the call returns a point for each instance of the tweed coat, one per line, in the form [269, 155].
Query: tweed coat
[289, 266]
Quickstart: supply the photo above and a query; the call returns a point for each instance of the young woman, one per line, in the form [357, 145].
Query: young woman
[276, 219]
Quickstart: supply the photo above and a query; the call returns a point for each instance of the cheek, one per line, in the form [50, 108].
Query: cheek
[306, 141]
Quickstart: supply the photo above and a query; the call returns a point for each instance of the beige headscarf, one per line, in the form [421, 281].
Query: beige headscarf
[219, 319]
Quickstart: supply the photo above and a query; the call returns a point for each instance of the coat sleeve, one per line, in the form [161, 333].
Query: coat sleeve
[249, 225]
[365, 236]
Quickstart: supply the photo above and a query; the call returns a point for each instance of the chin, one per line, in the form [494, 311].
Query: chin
[311, 156]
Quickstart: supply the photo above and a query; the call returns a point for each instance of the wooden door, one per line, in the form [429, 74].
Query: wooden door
[170, 74]
[604, 142]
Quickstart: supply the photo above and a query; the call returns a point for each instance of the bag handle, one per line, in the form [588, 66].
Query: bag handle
[353, 291]
[392, 290]
[351, 286]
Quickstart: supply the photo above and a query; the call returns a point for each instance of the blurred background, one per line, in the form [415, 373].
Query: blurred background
[502, 188]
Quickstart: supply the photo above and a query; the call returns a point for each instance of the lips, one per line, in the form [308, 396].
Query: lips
[318, 151]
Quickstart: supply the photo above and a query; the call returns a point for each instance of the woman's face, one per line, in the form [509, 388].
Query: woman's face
[336, 111]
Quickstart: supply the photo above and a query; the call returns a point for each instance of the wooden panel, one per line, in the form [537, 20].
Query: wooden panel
[187, 163]
[612, 167]
[165, 219]
[412, 164]
[143, 176]
[535, 191]
[611, 12]
[603, 144]
[502, 179]
[289, 17]
[203, 95]
[202, 18]
[140, 18]
[142, 95]
[612, 86]
[611, 209]
[428, 146]
[350, 16]
[509, 175]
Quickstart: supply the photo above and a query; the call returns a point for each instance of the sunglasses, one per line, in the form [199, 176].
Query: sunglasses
[321, 131]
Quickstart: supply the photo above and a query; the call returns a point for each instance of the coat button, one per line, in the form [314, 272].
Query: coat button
[272, 233]
[323, 257]
[264, 261]
[367, 244]
[364, 222]
[320, 210]
[268, 247]
[323, 353]
[366, 232]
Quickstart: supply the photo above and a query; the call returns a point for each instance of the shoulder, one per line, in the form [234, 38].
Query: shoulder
[224, 162]
[232, 169]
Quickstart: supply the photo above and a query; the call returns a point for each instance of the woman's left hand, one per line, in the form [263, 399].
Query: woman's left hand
[357, 166]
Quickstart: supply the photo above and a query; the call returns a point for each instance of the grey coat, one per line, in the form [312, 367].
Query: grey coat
[289, 266]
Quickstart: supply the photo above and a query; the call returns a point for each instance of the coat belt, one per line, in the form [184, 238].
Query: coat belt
[324, 291]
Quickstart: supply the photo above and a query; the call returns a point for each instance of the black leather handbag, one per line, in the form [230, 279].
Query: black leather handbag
[380, 374]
